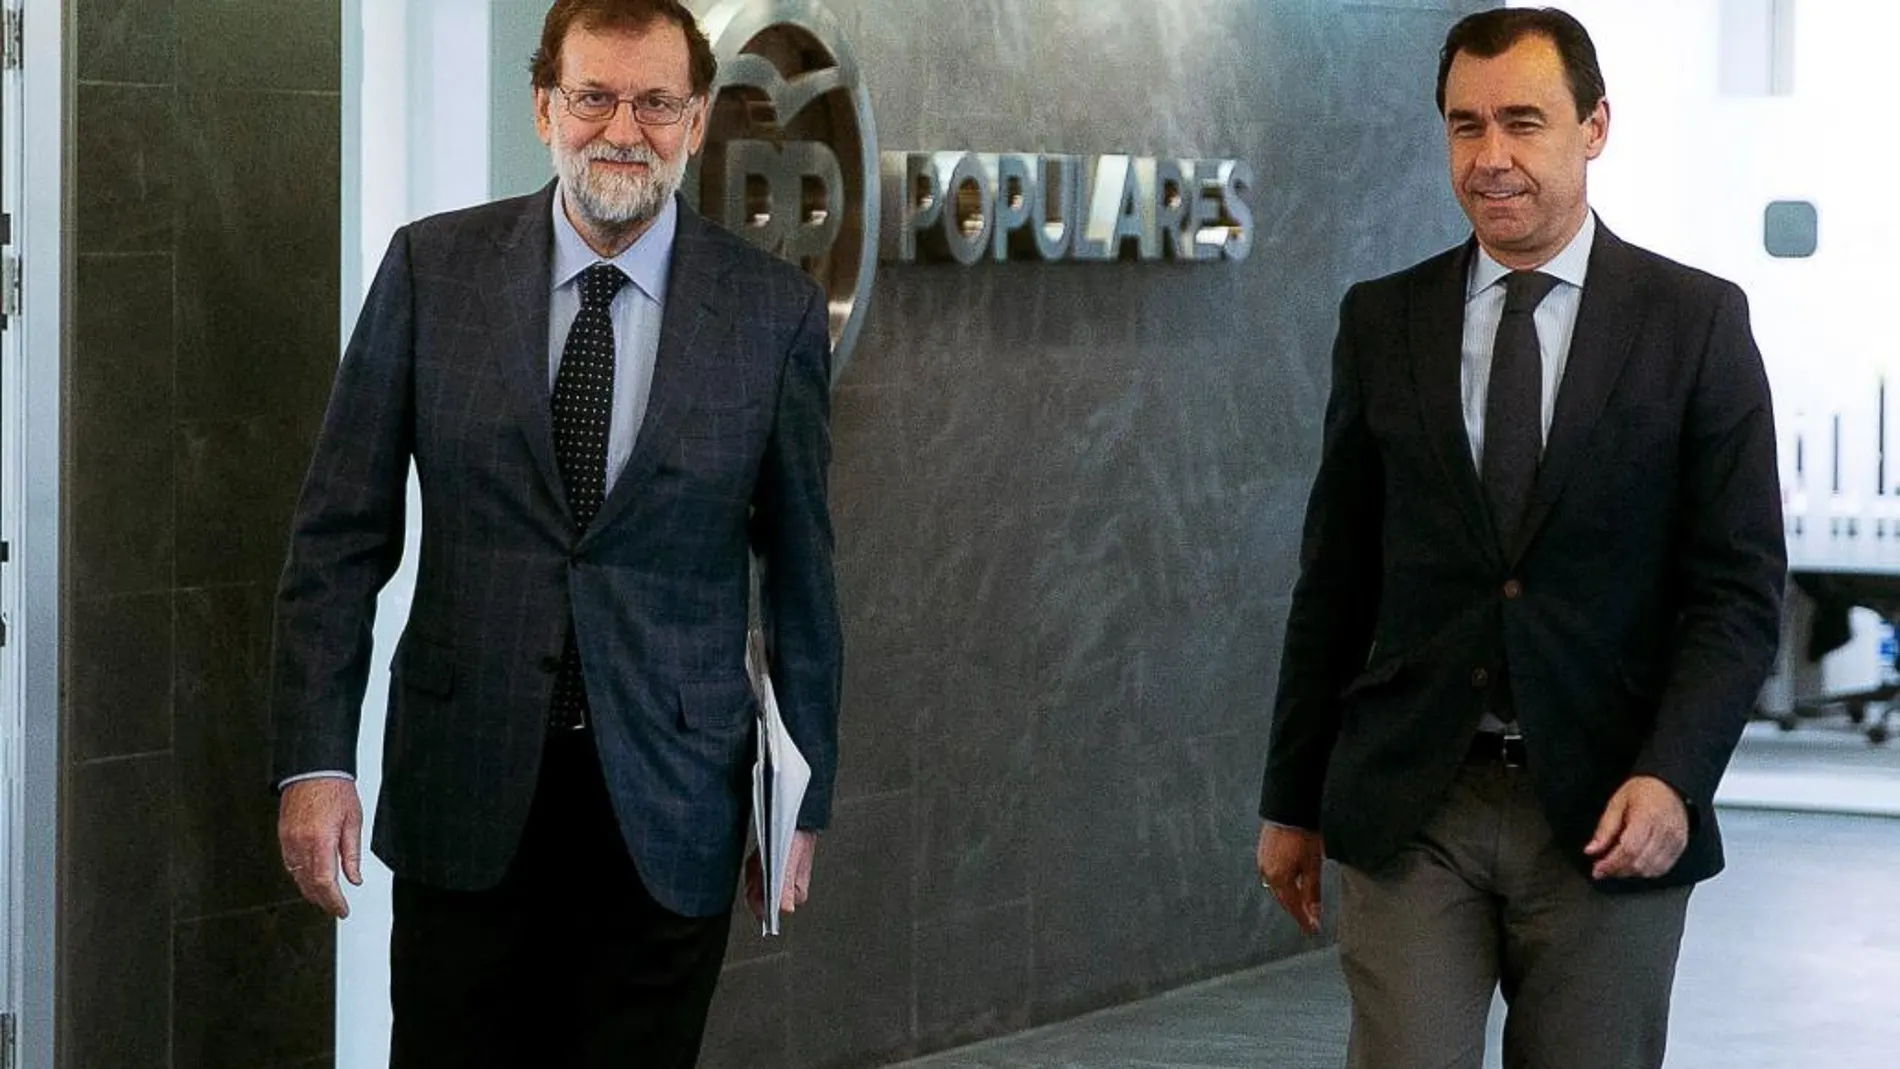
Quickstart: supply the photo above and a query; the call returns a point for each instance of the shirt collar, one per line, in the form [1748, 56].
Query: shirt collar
[1570, 265]
[645, 262]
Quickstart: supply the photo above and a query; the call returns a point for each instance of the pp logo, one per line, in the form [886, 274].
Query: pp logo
[791, 155]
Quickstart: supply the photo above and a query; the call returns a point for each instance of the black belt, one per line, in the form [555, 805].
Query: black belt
[1495, 748]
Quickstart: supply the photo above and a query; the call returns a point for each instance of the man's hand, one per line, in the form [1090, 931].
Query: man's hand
[797, 880]
[1289, 860]
[1643, 831]
[320, 822]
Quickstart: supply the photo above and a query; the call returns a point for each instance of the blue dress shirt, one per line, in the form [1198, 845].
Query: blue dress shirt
[635, 312]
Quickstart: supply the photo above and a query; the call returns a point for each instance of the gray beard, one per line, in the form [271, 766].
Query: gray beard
[616, 202]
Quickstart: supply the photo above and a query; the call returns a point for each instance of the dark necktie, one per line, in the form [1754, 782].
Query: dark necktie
[583, 407]
[1514, 407]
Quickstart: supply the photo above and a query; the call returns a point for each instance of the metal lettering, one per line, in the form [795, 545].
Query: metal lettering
[1102, 209]
[1135, 218]
[1221, 219]
[747, 175]
[809, 196]
[1015, 180]
[1018, 206]
[967, 215]
[1055, 225]
[1236, 181]
[807, 187]
[913, 200]
[1205, 234]
[786, 200]
[1171, 211]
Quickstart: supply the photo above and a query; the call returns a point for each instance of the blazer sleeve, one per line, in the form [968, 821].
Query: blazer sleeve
[792, 534]
[1732, 563]
[1335, 600]
[346, 535]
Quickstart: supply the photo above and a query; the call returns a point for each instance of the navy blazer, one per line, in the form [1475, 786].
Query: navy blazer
[447, 370]
[1634, 619]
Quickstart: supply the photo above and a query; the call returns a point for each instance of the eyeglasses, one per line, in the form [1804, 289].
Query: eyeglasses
[649, 109]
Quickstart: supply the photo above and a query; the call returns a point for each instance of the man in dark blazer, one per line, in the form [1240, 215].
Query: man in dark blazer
[608, 402]
[1539, 590]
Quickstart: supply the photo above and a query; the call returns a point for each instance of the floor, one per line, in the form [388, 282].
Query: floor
[1792, 958]
[1824, 765]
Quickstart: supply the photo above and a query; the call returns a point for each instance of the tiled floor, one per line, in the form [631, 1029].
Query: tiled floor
[1824, 765]
[1792, 959]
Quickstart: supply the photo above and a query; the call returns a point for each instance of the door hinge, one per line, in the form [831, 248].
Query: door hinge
[13, 43]
[6, 1041]
[9, 288]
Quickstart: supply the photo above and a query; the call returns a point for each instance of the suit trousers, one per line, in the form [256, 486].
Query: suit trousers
[1484, 897]
[569, 963]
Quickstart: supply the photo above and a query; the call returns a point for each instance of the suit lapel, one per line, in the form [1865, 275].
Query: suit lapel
[1437, 347]
[692, 326]
[1607, 322]
[517, 293]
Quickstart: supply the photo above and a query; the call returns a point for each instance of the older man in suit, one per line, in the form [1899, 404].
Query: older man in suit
[1539, 589]
[610, 405]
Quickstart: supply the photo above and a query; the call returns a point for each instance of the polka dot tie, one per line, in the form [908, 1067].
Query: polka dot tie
[583, 411]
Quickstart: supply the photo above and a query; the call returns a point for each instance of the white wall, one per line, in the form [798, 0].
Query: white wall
[517, 160]
[416, 116]
[1688, 172]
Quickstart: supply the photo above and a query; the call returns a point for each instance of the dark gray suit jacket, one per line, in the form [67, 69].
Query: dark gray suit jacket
[1633, 620]
[448, 369]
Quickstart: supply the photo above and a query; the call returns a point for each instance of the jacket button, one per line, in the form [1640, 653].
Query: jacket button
[1513, 588]
[551, 664]
[1480, 678]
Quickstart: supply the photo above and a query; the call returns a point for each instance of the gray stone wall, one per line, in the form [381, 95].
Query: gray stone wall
[204, 311]
[1068, 500]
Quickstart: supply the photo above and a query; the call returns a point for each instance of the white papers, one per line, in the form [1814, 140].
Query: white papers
[779, 779]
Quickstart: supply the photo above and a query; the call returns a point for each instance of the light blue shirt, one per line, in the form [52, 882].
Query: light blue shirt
[635, 313]
[1555, 320]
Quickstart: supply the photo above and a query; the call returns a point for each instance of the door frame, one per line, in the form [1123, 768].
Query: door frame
[30, 398]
